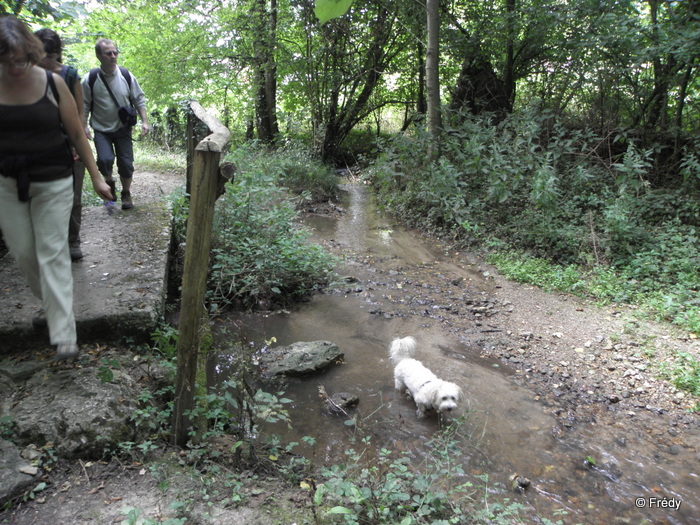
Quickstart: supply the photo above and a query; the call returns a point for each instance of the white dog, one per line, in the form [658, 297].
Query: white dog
[427, 390]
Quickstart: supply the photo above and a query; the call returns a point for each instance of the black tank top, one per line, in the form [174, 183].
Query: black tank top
[31, 137]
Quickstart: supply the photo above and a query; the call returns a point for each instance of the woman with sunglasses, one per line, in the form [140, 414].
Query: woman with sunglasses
[36, 186]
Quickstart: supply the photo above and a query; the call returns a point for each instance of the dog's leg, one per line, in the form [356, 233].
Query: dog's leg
[420, 413]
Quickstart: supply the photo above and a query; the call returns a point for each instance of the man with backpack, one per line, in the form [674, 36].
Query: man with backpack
[112, 98]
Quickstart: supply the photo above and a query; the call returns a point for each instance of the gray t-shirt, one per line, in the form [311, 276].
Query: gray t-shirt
[104, 115]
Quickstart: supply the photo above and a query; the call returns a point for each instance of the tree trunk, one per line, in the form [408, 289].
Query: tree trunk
[509, 76]
[266, 71]
[432, 72]
[348, 100]
[478, 88]
[657, 110]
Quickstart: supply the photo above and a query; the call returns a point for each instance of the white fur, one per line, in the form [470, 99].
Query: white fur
[427, 390]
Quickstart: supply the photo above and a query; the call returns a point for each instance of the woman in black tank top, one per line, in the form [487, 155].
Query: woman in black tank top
[36, 186]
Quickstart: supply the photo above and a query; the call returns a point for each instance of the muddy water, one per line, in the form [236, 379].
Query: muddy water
[397, 288]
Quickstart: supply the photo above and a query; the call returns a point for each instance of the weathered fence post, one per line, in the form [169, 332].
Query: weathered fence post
[205, 179]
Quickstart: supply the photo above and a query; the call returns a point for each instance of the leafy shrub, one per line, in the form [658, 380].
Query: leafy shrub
[685, 373]
[388, 487]
[538, 188]
[260, 256]
[291, 167]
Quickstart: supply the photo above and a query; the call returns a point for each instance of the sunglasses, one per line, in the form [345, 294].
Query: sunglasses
[17, 65]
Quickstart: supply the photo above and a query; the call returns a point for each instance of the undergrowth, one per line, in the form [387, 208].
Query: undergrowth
[261, 257]
[553, 211]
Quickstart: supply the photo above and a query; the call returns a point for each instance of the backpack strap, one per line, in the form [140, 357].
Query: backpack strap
[92, 77]
[94, 73]
[52, 86]
[127, 76]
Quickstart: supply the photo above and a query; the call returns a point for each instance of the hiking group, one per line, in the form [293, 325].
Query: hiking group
[47, 116]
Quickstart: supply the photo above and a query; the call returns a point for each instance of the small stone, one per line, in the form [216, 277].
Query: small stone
[31, 453]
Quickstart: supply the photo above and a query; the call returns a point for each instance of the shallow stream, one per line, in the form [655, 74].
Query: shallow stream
[396, 288]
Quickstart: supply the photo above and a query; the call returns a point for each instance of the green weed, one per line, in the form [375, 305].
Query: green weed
[684, 373]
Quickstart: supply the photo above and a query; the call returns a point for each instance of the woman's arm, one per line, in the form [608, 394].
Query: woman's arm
[74, 128]
[79, 101]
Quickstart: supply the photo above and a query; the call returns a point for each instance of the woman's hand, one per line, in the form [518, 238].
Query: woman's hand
[102, 189]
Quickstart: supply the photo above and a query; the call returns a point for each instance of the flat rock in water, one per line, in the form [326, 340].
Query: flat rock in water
[299, 359]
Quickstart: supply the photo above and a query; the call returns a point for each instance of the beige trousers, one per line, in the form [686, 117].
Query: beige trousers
[36, 234]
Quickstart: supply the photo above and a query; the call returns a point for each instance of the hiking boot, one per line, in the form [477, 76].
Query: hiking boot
[39, 319]
[126, 200]
[75, 252]
[112, 187]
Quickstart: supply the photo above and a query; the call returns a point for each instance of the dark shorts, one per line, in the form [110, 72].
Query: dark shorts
[117, 145]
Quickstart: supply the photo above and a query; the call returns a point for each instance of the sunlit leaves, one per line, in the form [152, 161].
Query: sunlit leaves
[327, 9]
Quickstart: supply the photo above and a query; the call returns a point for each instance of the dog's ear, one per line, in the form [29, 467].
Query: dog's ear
[460, 394]
[434, 393]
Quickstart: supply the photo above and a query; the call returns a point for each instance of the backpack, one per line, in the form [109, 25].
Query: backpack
[92, 77]
[70, 75]
[54, 91]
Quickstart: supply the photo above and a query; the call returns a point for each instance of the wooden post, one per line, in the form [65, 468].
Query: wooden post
[205, 175]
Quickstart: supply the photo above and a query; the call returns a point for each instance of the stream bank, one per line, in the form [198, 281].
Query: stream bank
[565, 393]
[558, 379]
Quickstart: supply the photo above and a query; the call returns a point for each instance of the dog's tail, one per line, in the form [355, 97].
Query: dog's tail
[401, 349]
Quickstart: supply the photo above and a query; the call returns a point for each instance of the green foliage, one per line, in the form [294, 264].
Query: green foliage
[684, 373]
[519, 267]
[560, 216]
[327, 9]
[7, 427]
[260, 256]
[134, 517]
[33, 493]
[295, 169]
[335, 76]
[165, 341]
[154, 414]
[39, 10]
[151, 157]
[388, 487]
[106, 370]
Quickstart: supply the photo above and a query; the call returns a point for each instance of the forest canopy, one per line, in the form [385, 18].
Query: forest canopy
[271, 68]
